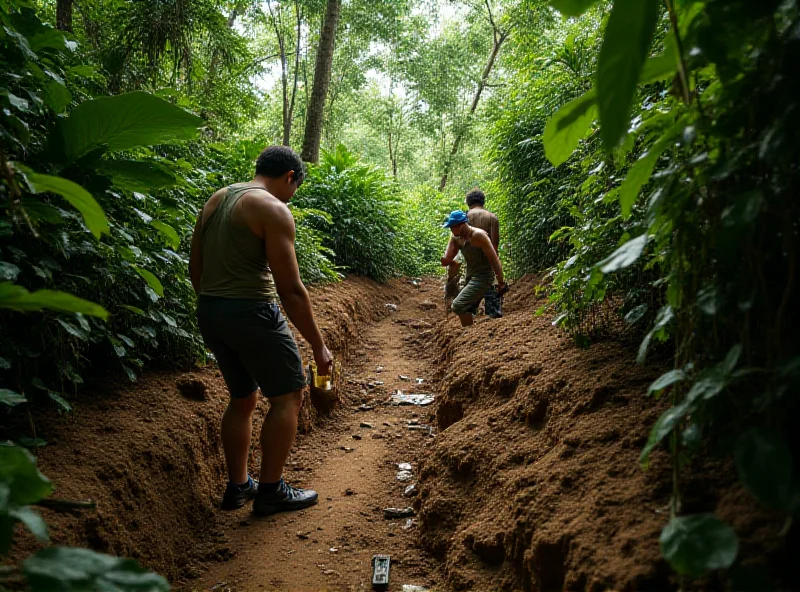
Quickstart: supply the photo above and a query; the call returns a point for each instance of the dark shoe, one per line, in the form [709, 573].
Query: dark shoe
[236, 495]
[286, 499]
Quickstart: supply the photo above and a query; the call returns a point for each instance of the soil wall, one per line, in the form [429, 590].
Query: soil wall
[149, 453]
[533, 482]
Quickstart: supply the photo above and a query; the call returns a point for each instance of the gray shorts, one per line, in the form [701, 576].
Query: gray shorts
[253, 345]
[468, 299]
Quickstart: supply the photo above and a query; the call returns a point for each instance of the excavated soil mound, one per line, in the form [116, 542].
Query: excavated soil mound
[534, 482]
[149, 453]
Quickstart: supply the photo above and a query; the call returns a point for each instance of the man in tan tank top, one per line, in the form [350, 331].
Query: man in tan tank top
[242, 263]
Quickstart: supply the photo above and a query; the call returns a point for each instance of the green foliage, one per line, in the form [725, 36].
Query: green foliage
[694, 545]
[63, 569]
[363, 207]
[626, 45]
[682, 220]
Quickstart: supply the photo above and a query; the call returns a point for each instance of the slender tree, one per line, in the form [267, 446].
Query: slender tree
[64, 15]
[322, 78]
[499, 37]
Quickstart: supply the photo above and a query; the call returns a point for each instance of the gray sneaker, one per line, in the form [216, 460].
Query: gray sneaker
[286, 499]
[236, 495]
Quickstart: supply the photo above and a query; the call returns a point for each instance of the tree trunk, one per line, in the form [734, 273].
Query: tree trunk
[322, 78]
[498, 42]
[64, 15]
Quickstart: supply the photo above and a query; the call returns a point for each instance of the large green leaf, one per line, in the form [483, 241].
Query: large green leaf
[668, 421]
[151, 280]
[61, 569]
[665, 316]
[572, 7]
[626, 44]
[665, 380]
[694, 545]
[640, 173]
[124, 122]
[662, 66]
[18, 469]
[135, 175]
[568, 126]
[57, 96]
[10, 398]
[92, 213]
[18, 298]
[764, 463]
[169, 233]
[33, 521]
[624, 256]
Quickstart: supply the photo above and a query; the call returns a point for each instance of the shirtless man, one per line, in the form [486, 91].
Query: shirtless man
[242, 263]
[480, 217]
[482, 261]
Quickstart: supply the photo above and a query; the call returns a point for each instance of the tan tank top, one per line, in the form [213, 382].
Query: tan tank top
[234, 259]
[476, 259]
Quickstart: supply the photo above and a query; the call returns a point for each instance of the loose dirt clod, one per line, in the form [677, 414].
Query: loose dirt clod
[192, 388]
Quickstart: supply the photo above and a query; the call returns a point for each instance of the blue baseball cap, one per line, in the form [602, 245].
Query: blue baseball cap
[455, 218]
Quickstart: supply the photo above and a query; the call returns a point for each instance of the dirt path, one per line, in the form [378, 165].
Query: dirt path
[354, 469]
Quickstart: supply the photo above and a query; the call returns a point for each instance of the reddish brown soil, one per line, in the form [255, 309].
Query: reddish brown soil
[150, 455]
[534, 482]
[531, 484]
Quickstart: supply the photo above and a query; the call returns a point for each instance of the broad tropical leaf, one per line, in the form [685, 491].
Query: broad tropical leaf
[694, 545]
[135, 175]
[568, 126]
[626, 44]
[151, 280]
[123, 122]
[81, 200]
[18, 298]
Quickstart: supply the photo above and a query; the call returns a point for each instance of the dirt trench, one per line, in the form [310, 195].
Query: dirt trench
[526, 465]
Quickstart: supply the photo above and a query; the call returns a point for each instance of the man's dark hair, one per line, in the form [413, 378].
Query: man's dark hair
[276, 161]
[476, 197]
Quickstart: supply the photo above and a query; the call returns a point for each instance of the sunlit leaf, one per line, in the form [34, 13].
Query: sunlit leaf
[92, 213]
[572, 7]
[694, 545]
[640, 173]
[18, 298]
[10, 398]
[626, 44]
[151, 280]
[169, 233]
[125, 121]
[665, 380]
[567, 127]
[624, 256]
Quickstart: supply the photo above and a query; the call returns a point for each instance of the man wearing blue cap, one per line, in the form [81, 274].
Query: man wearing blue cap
[483, 264]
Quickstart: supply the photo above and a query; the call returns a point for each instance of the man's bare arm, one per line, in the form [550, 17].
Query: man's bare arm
[450, 253]
[483, 241]
[196, 254]
[279, 233]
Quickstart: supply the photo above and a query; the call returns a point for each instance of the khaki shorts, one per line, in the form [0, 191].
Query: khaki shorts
[468, 299]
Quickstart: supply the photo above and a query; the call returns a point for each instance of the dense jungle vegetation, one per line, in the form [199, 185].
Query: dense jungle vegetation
[641, 154]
